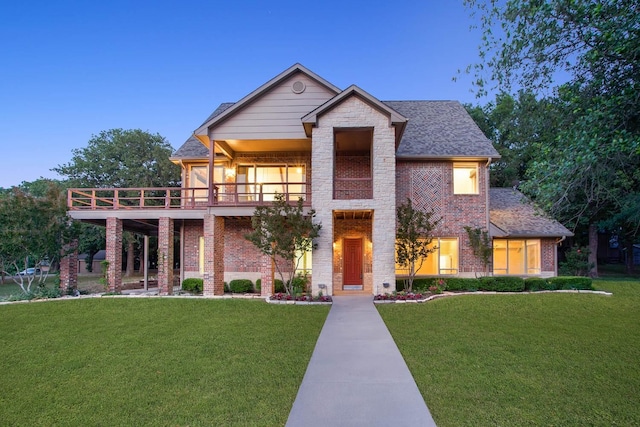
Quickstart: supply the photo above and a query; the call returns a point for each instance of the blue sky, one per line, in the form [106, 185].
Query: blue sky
[70, 69]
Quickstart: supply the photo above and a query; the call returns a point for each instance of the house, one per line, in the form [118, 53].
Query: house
[352, 158]
[96, 266]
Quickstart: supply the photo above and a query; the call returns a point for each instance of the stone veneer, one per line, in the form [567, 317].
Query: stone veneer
[353, 112]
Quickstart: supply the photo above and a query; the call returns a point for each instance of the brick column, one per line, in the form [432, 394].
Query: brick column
[69, 268]
[266, 275]
[165, 256]
[114, 254]
[213, 255]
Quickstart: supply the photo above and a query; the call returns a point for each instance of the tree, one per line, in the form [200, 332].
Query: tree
[414, 235]
[122, 158]
[587, 176]
[34, 230]
[284, 233]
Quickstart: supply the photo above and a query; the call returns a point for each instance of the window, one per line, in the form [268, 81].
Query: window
[465, 178]
[443, 261]
[304, 267]
[198, 178]
[516, 257]
[267, 180]
[201, 254]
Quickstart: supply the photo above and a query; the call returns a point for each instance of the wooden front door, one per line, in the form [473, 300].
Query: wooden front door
[352, 262]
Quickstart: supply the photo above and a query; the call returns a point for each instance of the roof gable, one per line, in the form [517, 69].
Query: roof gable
[396, 119]
[214, 120]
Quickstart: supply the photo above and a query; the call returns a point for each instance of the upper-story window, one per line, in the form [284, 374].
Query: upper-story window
[262, 182]
[465, 178]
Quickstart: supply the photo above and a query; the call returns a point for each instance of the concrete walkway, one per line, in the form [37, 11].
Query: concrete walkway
[357, 376]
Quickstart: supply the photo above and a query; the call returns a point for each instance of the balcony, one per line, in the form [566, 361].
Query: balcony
[227, 194]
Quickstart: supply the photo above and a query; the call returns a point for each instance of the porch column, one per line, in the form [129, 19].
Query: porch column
[213, 255]
[165, 256]
[266, 275]
[145, 268]
[114, 254]
[69, 268]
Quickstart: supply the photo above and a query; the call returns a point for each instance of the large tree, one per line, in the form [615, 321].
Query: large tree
[588, 174]
[122, 158]
[34, 229]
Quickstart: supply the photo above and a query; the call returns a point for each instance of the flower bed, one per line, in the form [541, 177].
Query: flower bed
[282, 297]
[401, 296]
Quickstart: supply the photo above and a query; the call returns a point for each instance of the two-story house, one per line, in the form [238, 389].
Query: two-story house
[349, 156]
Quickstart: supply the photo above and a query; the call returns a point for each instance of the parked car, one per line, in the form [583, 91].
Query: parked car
[29, 271]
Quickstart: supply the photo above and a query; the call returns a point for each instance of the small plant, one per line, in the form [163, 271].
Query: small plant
[577, 263]
[241, 286]
[105, 274]
[193, 285]
[258, 286]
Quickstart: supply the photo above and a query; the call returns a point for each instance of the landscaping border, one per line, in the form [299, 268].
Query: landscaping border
[453, 294]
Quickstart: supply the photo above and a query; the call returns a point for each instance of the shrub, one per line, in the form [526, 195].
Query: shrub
[462, 284]
[226, 287]
[502, 284]
[278, 286]
[193, 285]
[563, 282]
[298, 284]
[537, 284]
[240, 286]
[258, 286]
[423, 284]
[577, 263]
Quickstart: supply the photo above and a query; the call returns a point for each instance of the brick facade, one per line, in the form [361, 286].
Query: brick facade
[165, 256]
[69, 268]
[114, 254]
[213, 255]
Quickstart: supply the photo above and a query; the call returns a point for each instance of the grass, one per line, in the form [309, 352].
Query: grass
[548, 359]
[173, 362]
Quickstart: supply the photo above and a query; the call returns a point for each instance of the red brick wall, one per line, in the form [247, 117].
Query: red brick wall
[429, 185]
[165, 256]
[114, 253]
[192, 232]
[353, 165]
[240, 254]
[548, 257]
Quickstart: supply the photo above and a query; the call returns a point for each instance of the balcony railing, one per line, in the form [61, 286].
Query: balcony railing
[227, 194]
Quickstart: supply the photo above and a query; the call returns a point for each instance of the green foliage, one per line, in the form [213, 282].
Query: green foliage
[414, 234]
[193, 285]
[562, 282]
[462, 284]
[258, 285]
[481, 244]
[577, 262]
[226, 287]
[122, 158]
[537, 284]
[283, 232]
[240, 286]
[587, 162]
[501, 284]
[278, 286]
[33, 228]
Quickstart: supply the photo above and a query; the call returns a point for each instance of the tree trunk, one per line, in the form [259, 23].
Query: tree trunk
[593, 250]
[628, 243]
[130, 259]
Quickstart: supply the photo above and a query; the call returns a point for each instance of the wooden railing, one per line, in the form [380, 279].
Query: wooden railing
[231, 194]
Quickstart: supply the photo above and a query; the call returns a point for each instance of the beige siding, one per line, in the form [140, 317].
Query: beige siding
[275, 115]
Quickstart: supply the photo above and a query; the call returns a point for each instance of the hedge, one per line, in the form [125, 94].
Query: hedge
[571, 282]
[193, 285]
[501, 284]
[258, 286]
[240, 286]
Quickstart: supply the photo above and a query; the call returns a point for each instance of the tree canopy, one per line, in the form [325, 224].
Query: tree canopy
[122, 158]
[586, 168]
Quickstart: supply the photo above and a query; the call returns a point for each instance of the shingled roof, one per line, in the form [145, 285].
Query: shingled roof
[513, 215]
[435, 129]
[192, 147]
[440, 129]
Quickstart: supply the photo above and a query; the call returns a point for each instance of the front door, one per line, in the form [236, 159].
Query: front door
[352, 263]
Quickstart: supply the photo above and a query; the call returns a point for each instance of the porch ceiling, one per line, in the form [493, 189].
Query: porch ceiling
[364, 214]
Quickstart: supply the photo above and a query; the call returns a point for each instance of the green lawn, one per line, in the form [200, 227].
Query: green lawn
[547, 359]
[173, 362]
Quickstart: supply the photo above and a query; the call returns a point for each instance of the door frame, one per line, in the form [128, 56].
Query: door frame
[361, 261]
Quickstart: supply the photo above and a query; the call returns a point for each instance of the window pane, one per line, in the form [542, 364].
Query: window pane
[500, 256]
[201, 254]
[516, 257]
[533, 256]
[448, 256]
[297, 175]
[465, 179]
[198, 178]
